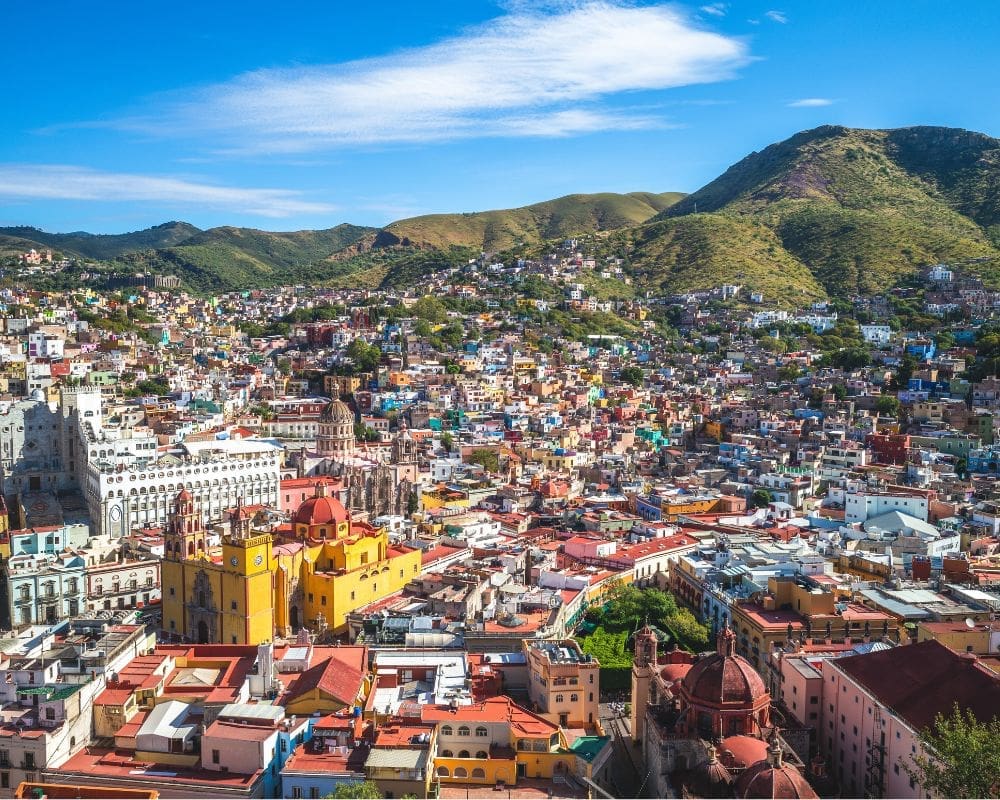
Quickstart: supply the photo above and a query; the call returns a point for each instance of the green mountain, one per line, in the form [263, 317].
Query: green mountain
[573, 215]
[228, 258]
[834, 210]
[829, 211]
[96, 246]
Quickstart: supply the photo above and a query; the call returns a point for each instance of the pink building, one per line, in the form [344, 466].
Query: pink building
[875, 705]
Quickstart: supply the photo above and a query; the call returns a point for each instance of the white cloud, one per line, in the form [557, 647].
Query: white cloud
[524, 74]
[61, 182]
[716, 9]
[811, 102]
[777, 16]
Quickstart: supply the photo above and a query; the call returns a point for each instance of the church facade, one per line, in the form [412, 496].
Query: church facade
[261, 584]
[375, 479]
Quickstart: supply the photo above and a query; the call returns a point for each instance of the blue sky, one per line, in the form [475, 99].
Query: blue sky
[117, 116]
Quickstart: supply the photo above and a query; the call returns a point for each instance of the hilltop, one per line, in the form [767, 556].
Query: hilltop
[831, 211]
[563, 217]
[857, 210]
[92, 245]
[227, 258]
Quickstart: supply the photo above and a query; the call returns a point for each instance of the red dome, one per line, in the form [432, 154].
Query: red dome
[674, 672]
[724, 677]
[739, 752]
[321, 511]
[773, 779]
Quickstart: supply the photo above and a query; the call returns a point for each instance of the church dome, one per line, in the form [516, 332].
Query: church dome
[337, 412]
[773, 779]
[724, 678]
[740, 751]
[321, 510]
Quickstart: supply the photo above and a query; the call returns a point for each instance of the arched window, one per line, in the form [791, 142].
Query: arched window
[447, 753]
[559, 698]
[462, 754]
[443, 772]
[479, 772]
[481, 754]
[463, 730]
[446, 730]
[461, 772]
[573, 698]
[481, 731]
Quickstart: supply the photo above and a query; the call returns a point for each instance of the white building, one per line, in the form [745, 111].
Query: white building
[876, 334]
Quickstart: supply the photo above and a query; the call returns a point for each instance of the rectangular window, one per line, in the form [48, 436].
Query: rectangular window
[215, 756]
[322, 600]
[233, 605]
[296, 791]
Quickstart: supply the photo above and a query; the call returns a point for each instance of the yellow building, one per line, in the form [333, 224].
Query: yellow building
[563, 683]
[497, 741]
[213, 597]
[310, 574]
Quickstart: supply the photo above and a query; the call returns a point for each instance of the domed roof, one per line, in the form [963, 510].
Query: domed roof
[674, 672]
[713, 779]
[321, 510]
[338, 412]
[724, 677]
[773, 779]
[740, 751]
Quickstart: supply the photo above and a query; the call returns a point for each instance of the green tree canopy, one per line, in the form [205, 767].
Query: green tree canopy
[365, 356]
[430, 308]
[631, 375]
[485, 458]
[962, 757]
[365, 790]
[887, 405]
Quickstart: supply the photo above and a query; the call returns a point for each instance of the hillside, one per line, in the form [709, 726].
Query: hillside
[100, 247]
[229, 258]
[564, 217]
[704, 250]
[860, 209]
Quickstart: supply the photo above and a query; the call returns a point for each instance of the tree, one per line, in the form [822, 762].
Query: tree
[961, 756]
[773, 345]
[887, 406]
[365, 356]
[789, 372]
[631, 375]
[430, 308]
[487, 459]
[760, 498]
[906, 366]
[365, 790]
[447, 441]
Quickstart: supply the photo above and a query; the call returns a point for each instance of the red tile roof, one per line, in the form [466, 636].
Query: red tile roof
[495, 709]
[919, 681]
[332, 676]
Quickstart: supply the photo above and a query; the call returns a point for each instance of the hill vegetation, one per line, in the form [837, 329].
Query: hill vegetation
[100, 247]
[828, 212]
[564, 217]
[859, 209]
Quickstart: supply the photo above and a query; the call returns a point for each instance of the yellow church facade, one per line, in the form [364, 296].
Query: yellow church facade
[259, 585]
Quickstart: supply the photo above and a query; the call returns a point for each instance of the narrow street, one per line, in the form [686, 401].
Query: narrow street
[628, 769]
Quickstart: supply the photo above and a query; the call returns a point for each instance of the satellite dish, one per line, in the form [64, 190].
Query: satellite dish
[969, 622]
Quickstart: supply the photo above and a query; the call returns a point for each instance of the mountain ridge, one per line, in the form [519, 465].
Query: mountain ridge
[830, 211]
